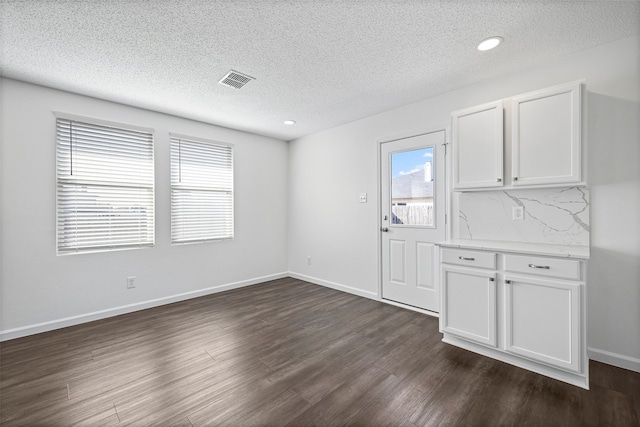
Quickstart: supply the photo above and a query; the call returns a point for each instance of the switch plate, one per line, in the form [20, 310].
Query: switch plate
[363, 197]
[517, 213]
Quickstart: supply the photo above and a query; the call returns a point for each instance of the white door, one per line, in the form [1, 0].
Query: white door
[413, 211]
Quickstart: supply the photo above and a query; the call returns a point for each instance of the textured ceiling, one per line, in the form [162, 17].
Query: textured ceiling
[321, 63]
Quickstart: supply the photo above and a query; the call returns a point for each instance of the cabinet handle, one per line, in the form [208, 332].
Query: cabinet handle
[466, 259]
[499, 179]
[508, 282]
[546, 267]
[491, 279]
[515, 178]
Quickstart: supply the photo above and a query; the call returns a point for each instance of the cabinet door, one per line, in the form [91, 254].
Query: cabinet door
[546, 136]
[543, 321]
[469, 304]
[477, 136]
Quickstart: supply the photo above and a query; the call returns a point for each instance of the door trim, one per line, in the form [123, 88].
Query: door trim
[447, 191]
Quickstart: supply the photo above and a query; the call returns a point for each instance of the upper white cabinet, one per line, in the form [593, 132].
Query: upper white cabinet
[546, 137]
[545, 141]
[478, 136]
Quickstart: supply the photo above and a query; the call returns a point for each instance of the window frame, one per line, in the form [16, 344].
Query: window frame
[62, 250]
[176, 137]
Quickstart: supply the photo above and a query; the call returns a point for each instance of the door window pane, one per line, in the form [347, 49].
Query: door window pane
[412, 187]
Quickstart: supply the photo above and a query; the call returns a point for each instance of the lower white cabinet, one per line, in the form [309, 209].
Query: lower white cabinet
[542, 321]
[522, 309]
[469, 296]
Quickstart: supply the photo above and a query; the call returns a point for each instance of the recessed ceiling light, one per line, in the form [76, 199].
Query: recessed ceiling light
[490, 43]
[289, 122]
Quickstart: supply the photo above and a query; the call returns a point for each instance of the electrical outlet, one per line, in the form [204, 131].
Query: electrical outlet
[363, 197]
[131, 282]
[308, 260]
[517, 213]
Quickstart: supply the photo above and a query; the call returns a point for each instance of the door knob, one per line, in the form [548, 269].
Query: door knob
[384, 229]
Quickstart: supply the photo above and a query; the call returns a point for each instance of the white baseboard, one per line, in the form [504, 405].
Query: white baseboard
[359, 292]
[615, 359]
[336, 286]
[116, 311]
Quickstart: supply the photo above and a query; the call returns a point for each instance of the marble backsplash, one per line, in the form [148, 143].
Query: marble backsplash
[551, 215]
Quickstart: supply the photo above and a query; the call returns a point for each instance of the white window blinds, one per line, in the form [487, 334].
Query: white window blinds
[105, 196]
[201, 190]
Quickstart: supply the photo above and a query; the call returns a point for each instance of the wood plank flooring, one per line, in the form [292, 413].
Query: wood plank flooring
[286, 353]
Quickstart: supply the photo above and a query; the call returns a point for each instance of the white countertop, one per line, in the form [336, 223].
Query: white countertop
[581, 252]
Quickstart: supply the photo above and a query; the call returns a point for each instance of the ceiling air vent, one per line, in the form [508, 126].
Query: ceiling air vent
[235, 79]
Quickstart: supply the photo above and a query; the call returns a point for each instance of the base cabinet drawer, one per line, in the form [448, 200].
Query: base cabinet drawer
[543, 320]
[469, 258]
[469, 298]
[543, 266]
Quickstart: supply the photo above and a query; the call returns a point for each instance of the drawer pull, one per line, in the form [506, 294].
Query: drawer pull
[546, 267]
[466, 259]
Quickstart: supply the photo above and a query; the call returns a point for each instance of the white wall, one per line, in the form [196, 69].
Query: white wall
[42, 291]
[330, 168]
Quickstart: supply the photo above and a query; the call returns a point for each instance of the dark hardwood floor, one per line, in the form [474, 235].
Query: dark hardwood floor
[286, 353]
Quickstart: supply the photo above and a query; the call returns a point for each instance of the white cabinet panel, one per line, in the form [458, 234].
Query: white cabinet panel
[543, 321]
[469, 298]
[477, 146]
[397, 261]
[425, 254]
[546, 136]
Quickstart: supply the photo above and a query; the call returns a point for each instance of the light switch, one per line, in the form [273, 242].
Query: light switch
[363, 197]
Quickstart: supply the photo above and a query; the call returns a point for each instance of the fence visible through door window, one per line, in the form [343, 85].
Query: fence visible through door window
[412, 174]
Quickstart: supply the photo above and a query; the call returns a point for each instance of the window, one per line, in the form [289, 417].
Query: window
[201, 190]
[104, 190]
[412, 187]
